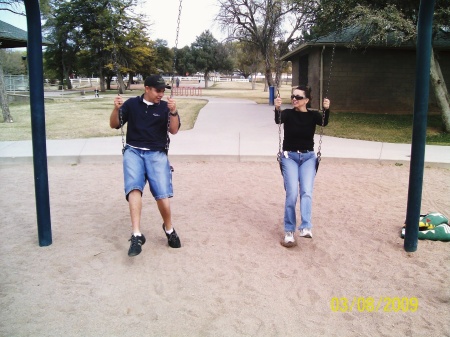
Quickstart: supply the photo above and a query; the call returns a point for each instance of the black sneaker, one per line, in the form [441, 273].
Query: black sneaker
[172, 238]
[136, 245]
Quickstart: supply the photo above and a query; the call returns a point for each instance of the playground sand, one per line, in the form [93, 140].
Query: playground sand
[231, 277]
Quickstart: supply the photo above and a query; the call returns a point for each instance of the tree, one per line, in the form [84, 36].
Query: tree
[270, 25]
[135, 53]
[164, 56]
[209, 55]
[13, 61]
[245, 58]
[110, 40]
[61, 29]
[184, 61]
[7, 118]
[390, 21]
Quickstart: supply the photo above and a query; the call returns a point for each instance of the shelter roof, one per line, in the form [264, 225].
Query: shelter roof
[13, 37]
[347, 36]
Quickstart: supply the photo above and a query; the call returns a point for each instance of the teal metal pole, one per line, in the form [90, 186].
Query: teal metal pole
[422, 91]
[36, 79]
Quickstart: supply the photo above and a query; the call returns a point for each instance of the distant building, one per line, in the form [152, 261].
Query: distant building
[13, 37]
[375, 79]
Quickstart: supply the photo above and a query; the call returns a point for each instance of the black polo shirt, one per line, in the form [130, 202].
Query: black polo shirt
[147, 124]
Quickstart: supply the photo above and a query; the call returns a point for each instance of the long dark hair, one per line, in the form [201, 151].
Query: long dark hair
[307, 90]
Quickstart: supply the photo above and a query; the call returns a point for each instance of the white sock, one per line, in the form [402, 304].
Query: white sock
[169, 231]
[137, 234]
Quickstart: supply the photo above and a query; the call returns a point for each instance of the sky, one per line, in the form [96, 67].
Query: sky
[196, 17]
[14, 19]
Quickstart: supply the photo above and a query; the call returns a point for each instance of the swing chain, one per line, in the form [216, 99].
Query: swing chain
[279, 137]
[279, 121]
[176, 48]
[114, 49]
[173, 73]
[319, 153]
[116, 71]
[121, 130]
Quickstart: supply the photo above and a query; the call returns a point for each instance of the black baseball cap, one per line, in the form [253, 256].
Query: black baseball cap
[156, 81]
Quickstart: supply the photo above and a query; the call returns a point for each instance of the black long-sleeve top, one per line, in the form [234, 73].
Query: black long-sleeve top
[299, 128]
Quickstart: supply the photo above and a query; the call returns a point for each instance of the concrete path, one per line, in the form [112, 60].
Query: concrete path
[226, 130]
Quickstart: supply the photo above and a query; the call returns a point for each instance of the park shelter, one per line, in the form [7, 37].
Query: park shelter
[13, 37]
[378, 79]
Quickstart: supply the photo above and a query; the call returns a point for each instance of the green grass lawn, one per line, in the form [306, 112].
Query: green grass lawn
[70, 118]
[383, 128]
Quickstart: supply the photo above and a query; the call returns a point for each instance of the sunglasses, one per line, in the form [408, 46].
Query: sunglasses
[297, 97]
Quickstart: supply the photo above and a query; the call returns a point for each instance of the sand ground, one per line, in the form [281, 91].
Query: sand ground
[231, 277]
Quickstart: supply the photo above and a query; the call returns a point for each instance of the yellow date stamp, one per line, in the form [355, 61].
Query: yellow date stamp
[374, 304]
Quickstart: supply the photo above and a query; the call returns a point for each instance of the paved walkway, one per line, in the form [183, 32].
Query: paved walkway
[226, 130]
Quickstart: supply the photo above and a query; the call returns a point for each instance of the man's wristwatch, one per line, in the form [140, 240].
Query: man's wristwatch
[174, 114]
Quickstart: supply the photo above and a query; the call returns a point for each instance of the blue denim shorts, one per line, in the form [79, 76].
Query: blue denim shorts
[140, 166]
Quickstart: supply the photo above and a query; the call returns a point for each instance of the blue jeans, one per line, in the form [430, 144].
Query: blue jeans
[140, 166]
[299, 171]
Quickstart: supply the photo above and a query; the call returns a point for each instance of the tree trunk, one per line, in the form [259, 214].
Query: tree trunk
[102, 79]
[268, 75]
[120, 83]
[130, 80]
[4, 99]
[253, 76]
[67, 76]
[278, 75]
[440, 92]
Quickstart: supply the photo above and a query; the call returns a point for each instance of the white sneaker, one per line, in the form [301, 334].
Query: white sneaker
[305, 233]
[289, 240]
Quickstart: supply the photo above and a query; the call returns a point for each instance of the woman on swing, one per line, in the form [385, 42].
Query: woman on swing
[298, 159]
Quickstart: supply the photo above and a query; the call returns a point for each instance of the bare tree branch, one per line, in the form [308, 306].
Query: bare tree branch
[272, 26]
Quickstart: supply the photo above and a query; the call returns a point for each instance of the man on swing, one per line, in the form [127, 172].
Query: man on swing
[150, 119]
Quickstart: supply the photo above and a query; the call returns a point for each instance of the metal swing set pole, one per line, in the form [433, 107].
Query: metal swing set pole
[36, 78]
[422, 87]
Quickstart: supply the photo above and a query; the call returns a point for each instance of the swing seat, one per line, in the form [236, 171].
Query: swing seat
[319, 158]
[281, 169]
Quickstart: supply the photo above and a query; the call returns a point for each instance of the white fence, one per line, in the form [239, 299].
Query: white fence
[86, 82]
[16, 83]
[90, 82]
[202, 79]
[19, 83]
